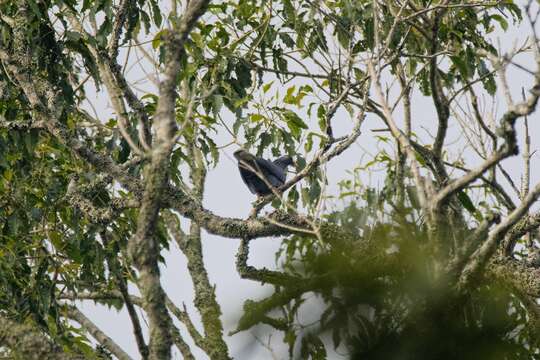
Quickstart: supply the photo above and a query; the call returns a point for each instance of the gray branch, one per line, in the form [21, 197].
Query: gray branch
[97, 334]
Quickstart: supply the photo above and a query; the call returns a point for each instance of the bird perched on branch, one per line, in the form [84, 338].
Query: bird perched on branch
[254, 169]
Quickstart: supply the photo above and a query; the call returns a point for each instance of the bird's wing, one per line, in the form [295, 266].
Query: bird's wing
[275, 175]
[249, 179]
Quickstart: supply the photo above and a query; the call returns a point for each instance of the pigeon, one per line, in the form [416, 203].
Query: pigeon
[252, 167]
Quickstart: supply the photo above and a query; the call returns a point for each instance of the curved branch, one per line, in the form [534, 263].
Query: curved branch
[262, 275]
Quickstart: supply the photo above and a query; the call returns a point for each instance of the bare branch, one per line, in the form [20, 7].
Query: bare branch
[116, 270]
[482, 255]
[423, 190]
[97, 334]
[508, 149]
[451, 6]
[182, 316]
[181, 344]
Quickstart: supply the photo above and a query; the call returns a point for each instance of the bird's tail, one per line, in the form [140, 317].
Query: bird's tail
[283, 161]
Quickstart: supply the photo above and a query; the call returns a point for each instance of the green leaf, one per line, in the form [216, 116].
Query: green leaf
[321, 115]
[156, 12]
[256, 117]
[290, 339]
[294, 122]
[501, 20]
[56, 239]
[156, 41]
[267, 86]
[8, 174]
[289, 97]
[461, 65]
[287, 39]
[466, 201]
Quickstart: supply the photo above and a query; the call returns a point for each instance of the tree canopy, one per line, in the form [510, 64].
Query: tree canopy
[439, 259]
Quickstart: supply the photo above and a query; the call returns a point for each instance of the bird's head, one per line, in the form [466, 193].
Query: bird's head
[242, 155]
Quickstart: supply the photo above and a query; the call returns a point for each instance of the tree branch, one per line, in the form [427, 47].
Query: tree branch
[509, 148]
[439, 99]
[97, 334]
[26, 342]
[121, 15]
[116, 270]
[262, 275]
[482, 255]
[523, 277]
[143, 247]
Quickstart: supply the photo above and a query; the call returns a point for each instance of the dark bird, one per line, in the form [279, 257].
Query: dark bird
[253, 168]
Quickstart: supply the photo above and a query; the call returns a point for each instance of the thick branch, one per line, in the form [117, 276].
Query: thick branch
[143, 246]
[26, 342]
[522, 277]
[524, 226]
[205, 296]
[144, 250]
[191, 245]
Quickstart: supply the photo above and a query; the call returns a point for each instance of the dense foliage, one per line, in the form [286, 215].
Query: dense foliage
[423, 267]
